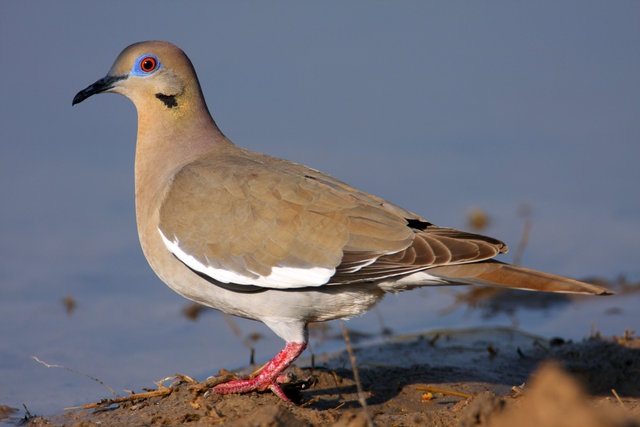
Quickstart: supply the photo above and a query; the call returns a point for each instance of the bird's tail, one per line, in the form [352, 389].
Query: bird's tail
[495, 273]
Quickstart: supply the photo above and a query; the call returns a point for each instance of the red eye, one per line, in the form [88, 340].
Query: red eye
[148, 64]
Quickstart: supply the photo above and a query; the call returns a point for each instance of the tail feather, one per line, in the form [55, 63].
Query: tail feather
[495, 273]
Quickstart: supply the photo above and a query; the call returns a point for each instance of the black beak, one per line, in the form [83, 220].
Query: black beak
[101, 85]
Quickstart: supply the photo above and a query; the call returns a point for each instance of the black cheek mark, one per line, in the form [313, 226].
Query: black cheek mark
[168, 100]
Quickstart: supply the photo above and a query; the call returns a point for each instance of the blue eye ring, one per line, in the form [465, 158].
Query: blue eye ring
[145, 65]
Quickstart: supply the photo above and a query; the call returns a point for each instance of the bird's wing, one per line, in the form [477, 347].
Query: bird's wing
[256, 220]
[431, 247]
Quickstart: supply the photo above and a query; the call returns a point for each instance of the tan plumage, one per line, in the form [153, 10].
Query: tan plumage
[261, 216]
[271, 240]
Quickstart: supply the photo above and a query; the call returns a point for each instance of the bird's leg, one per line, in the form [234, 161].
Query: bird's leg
[267, 379]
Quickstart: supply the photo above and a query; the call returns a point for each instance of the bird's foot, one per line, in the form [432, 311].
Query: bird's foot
[269, 377]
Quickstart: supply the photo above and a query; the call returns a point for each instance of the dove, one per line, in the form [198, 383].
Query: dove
[267, 239]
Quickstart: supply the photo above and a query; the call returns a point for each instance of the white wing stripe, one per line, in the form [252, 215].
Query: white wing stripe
[280, 277]
[359, 266]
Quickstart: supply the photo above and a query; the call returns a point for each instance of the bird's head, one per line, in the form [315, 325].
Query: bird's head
[155, 75]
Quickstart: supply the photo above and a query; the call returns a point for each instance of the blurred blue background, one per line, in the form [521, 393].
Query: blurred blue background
[437, 107]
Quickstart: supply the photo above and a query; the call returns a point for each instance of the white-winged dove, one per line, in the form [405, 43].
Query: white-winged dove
[267, 239]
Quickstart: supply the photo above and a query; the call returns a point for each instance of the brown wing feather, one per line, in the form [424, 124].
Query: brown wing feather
[248, 213]
[495, 273]
[431, 247]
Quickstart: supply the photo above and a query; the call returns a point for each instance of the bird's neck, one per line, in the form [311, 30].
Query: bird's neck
[168, 139]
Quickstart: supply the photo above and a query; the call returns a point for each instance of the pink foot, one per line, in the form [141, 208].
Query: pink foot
[268, 378]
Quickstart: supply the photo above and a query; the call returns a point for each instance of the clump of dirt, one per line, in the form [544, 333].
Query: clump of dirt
[555, 398]
[485, 389]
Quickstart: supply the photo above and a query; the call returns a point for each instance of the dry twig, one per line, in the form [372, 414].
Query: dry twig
[517, 257]
[136, 396]
[309, 402]
[194, 387]
[442, 391]
[613, 390]
[352, 358]
[48, 365]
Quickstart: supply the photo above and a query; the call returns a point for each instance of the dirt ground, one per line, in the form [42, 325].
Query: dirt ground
[488, 377]
[476, 377]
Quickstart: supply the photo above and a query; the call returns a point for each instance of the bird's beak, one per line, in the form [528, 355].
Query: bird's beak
[101, 85]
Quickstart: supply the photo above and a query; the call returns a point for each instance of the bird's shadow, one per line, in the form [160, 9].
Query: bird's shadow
[600, 365]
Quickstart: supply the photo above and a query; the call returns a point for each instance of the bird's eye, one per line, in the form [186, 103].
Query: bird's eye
[148, 64]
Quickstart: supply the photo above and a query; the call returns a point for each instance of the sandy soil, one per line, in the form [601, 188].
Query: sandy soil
[502, 377]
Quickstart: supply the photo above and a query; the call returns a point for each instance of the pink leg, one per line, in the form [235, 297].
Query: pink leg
[267, 379]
